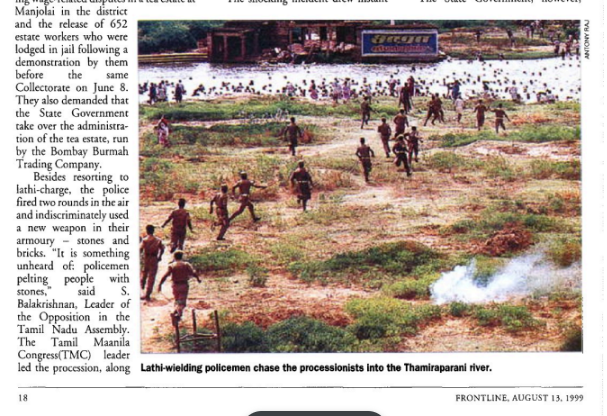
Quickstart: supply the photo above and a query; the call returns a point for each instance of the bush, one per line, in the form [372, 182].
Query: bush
[542, 134]
[457, 139]
[412, 288]
[287, 252]
[211, 260]
[486, 317]
[387, 317]
[304, 334]
[565, 251]
[258, 276]
[544, 169]
[499, 167]
[446, 161]
[512, 318]
[458, 309]
[246, 337]
[573, 340]
[392, 259]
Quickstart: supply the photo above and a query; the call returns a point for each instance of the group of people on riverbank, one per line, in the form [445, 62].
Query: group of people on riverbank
[487, 80]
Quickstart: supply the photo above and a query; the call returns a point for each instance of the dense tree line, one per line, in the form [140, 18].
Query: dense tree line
[172, 36]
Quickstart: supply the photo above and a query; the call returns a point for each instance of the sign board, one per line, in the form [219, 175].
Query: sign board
[400, 42]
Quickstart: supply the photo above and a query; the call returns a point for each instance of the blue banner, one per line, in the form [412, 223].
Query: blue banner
[404, 42]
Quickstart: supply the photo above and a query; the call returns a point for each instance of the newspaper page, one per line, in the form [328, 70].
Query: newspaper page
[357, 206]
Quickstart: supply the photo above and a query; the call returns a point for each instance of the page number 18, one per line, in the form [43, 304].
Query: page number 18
[23, 397]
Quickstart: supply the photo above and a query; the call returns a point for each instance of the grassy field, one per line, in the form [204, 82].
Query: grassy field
[355, 272]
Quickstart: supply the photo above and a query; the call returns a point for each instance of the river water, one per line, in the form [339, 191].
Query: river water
[562, 77]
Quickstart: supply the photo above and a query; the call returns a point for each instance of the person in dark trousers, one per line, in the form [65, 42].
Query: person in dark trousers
[480, 111]
[400, 123]
[180, 272]
[365, 112]
[302, 181]
[364, 154]
[500, 114]
[413, 140]
[292, 133]
[385, 132]
[151, 248]
[220, 202]
[400, 151]
[180, 219]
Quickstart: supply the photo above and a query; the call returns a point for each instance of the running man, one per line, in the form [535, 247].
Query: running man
[500, 114]
[459, 108]
[365, 112]
[292, 132]
[364, 154]
[180, 272]
[244, 186]
[413, 140]
[181, 220]
[302, 181]
[400, 123]
[385, 132]
[480, 111]
[221, 201]
[400, 151]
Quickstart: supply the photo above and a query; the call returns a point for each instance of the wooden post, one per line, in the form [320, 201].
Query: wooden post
[195, 328]
[218, 330]
[243, 47]
[177, 337]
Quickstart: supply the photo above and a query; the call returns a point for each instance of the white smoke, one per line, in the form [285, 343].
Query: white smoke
[530, 274]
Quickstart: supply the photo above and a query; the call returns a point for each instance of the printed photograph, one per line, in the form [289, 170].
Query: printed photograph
[360, 186]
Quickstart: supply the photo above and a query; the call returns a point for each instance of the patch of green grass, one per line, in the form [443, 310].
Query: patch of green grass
[565, 251]
[328, 212]
[565, 106]
[573, 340]
[348, 165]
[258, 276]
[497, 216]
[500, 167]
[391, 259]
[543, 134]
[526, 134]
[245, 337]
[304, 334]
[447, 162]
[235, 135]
[162, 179]
[387, 317]
[411, 288]
[259, 108]
[511, 318]
[545, 169]
[459, 309]
[463, 139]
[223, 262]
[288, 251]
[485, 268]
